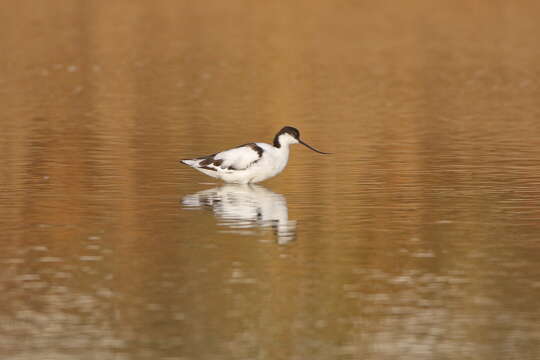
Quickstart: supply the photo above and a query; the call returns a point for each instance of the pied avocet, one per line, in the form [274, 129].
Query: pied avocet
[252, 162]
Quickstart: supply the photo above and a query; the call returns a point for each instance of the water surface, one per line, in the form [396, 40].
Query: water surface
[418, 239]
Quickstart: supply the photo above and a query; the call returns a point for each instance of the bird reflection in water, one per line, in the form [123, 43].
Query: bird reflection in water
[244, 207]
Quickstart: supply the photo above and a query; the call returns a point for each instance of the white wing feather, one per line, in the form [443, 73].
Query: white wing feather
[239, 158]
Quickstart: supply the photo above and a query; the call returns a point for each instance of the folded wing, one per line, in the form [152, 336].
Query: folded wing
[239, 158]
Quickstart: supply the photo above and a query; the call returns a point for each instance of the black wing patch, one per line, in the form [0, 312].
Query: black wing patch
[256, 148]
[259, 150]
[209, 160]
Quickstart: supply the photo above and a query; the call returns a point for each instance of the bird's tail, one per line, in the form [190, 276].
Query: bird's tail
[188, 162]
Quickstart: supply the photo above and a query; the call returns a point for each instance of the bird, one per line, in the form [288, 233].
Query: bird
[251, 162]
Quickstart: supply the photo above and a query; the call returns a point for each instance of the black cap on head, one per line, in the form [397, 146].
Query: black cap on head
[291, 131]
[286, 130]
[295, 134]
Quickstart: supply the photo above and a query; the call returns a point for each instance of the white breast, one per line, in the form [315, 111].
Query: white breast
[272, 162]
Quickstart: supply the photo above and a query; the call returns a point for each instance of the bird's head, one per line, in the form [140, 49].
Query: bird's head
[289, 135]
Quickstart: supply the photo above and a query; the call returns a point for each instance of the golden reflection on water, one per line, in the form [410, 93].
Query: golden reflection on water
[417, 239]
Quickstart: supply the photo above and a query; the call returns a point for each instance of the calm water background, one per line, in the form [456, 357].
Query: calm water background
[418, 239]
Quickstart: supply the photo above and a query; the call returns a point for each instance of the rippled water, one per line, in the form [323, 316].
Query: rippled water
[418, 239]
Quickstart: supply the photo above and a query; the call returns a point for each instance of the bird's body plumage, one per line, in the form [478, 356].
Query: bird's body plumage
[249, 163]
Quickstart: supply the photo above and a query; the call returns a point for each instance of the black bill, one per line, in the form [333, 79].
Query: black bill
[312, 148]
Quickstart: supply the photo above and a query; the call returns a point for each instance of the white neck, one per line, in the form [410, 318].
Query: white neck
[284, 147]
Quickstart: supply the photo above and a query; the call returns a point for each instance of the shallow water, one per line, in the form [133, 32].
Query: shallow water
[418, 239]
